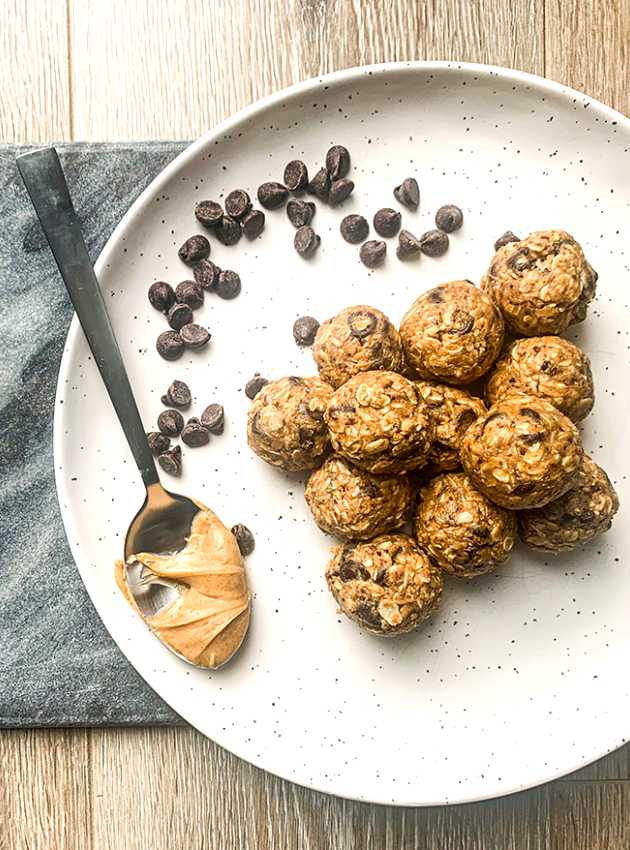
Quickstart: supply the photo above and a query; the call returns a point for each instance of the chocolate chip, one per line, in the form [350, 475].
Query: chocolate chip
[189, 292]
[532, 414]
[521, 260]
[369, 616]
[435, 295]
[507, 237]
[465, 420]
[381, 575]
[434, 243]
[354, 228]
[179, 315]
[194, 249]
[320, 185]
[296, 175]
[244, 539]
[449, 218]
[158, 443]
[194, 434]
[161, 296]
[532, 439]
[272, 195]
[253, 223]
[177, 395]
[194, 336]
[170, 345]
[228, 231]
[209, 213]
[462, 323]
[351, 570]
[171, 461]
[373, 253]
[206, 273]
[408, 193]
[170, 422]
[362, 323]
[229, 285]
[254, 386]
[523, 489]
[387, 222]
[300, 213]
[306, 241]
[238, 204]
[304, 330]
[408, 246]
[481, 531]
[337, 161]
[213, 418]
[340, 190]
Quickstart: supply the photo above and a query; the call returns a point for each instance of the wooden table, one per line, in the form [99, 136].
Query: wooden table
[144, 69]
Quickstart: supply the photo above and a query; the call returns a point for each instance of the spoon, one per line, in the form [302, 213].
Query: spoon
[163, 522]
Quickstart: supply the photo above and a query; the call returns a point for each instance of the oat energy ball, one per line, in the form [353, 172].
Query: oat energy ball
[583, 512]
[454, 411]
[359, 339]
[285, 425]
[380, 422]
[387, 585]
[541, 284]
[523, 454]
[461, 529]
[547, 367]
[354, 504]
[452, 333]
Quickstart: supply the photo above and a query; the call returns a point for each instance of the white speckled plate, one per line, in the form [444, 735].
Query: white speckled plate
[522, 676]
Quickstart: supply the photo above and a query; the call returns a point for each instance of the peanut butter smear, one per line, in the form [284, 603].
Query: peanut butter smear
[208, 619]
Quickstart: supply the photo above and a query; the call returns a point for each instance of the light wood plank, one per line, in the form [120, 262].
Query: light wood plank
[35, 99]
[587, 46]
[45, 801]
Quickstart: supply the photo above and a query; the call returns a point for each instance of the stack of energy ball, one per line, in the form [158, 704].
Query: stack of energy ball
[397, 410]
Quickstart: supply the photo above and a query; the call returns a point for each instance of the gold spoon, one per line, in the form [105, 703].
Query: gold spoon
[163, 522]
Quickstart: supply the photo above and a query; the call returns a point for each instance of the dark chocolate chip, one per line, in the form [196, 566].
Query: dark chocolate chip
[194, 434]
[170, 422]
[434, 243]
[481, 531]
[381, 575]
[253, 223]
[206, 273]
[320, 185]
[244, 539]
[362, 323]
[532, 439]
[194, 336]
[213, 418]
[387, 222]
[272, 195]
[340, 190]
[238, 204]
[523, 489]
[306, 241]
[228, 231]
[209, 213]
[462, 323]
[533, 414]
[161, 296]
[351, 570]
[337, 161]
[465, 420]
[194, 249]
[408, 246]
[408, 193]
[170, 345]
[179, 315]
[300, 213]
[158, 443]
[354, 228]
[520, 261]
[507, 237]
[177, 395]
[296, 175]
[254, 386]
[304, 330]
[171, 461]
[369, 616]
[189, 292]
[435, 295]
[372, 253]
[229, 284]
[449, 218]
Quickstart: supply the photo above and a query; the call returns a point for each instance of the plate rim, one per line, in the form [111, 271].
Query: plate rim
[74, 331]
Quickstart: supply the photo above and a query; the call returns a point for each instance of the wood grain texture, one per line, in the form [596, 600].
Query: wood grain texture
[148, 69]
[35, 100]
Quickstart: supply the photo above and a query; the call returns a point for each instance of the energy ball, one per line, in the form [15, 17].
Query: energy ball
[285, 425]
[454, 411]
[523, 454]
[387, 585]
[359, 339]
[380, 422]
[547, 367]
[583, 512]
[542, 284]
[452, 333]
[461, 529]
[354, 504]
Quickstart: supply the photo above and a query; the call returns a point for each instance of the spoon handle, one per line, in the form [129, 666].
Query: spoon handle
[45, 182]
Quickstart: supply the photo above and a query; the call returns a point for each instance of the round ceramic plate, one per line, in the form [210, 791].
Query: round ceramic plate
[521, 676]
